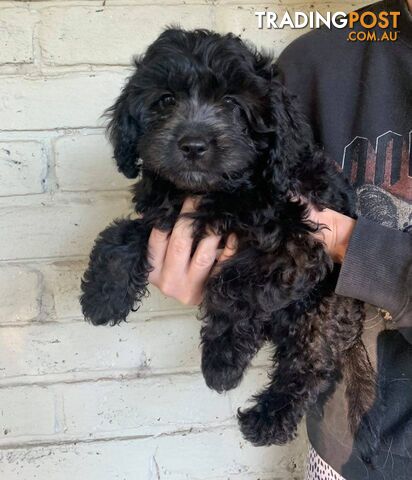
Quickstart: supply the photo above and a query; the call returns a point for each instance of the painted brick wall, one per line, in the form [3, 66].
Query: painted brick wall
[79, 402]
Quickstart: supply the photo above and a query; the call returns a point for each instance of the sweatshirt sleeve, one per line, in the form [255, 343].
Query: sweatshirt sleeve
[377, 269]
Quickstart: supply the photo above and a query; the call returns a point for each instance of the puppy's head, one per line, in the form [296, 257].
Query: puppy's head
[202, 110]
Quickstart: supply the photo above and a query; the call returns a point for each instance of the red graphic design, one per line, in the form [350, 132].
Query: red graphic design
[387, 165]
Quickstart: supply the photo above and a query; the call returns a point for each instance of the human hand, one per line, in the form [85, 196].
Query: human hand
[175, 272]
[336, 235]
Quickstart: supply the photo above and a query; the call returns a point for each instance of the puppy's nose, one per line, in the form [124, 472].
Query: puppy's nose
[193, 146]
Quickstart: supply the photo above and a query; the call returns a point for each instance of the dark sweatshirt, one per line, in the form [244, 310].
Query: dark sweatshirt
[358, 98]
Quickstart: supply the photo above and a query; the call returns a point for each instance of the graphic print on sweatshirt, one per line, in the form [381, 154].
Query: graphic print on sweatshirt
[381, 172]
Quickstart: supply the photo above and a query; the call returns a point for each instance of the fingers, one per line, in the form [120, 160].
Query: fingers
[176, 261]
[230, 248]
[157, 248]
[159, 243]
[186, 284]
[202, 261]
[189, 205]
[174, 272]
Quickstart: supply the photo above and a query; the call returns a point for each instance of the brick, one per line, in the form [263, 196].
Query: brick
[143, 407]
[204, 456]
[23, 168]
[63, 278]
[16, 30]
[252, 383]
[64, 33]
[275, 5]
[19, 294]
[153, 346]
[63, 226]
[26, 411]
[160, 345]
[85, 162]
[224, 454]
[241, 20]
[61, 101]
[264, 356]
[147, 406]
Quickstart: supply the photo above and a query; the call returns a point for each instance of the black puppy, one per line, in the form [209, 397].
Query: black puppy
[206, 115]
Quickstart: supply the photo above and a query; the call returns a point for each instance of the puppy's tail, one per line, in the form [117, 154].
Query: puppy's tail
[362, 396]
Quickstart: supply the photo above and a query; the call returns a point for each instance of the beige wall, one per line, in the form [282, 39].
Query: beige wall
[79, 402]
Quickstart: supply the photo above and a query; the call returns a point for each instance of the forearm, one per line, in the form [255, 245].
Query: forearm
[376, 263]
[377, 268]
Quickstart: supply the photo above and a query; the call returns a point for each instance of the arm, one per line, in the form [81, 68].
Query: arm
[376, 263]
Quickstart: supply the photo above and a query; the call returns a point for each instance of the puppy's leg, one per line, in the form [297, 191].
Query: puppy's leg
[278, 409]
[305, 367]
[232, 332]
[117, 273]
[240, 299]
[274, 417]
[228, 346]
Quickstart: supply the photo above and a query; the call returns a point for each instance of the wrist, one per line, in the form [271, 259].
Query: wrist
[343, 227]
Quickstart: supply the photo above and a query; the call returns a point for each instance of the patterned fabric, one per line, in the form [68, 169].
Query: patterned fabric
[318, 469]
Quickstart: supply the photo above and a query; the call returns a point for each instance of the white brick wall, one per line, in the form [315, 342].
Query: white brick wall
[113, 35]
[77, 168]
[19, 294]
[16, 36]
[23, 168]
[39, 102]
[76, 401]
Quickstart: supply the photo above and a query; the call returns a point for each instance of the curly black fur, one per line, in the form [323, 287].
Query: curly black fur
[205, 114]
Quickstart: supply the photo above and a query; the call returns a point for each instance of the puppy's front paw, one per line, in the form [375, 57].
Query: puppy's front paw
[104, 305]
[272, 421]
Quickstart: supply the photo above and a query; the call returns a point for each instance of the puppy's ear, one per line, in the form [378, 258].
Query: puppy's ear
[290, 137]
[124, 131]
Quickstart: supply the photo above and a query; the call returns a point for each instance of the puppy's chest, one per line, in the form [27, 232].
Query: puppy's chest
[250, 226]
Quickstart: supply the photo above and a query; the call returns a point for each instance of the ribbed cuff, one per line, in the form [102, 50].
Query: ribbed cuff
[377, 268]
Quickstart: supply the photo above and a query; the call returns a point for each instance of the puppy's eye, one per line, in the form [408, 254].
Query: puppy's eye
[167, 100]
[229, 101]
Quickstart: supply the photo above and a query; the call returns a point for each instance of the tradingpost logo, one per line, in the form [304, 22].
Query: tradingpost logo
[361, 25]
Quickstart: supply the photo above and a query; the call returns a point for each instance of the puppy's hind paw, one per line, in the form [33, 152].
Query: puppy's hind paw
[268, 423]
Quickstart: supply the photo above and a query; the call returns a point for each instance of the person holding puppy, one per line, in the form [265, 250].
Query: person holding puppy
[357, 96]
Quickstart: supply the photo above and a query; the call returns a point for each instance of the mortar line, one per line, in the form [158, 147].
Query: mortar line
[116, 438]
